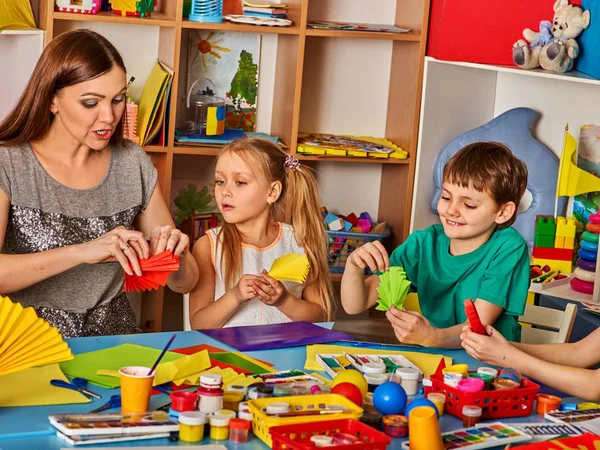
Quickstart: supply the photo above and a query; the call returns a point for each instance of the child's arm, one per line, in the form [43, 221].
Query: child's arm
[205, 312]
[272, 292]
[413, 328]
[496, 350]
[358, 294]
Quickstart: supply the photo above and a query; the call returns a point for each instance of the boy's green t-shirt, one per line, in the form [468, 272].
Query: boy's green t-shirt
[497, 272]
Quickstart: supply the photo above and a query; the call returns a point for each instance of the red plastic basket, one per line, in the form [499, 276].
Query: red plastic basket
[494, 404]
[297, 437]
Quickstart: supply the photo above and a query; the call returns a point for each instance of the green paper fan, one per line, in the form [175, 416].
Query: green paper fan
[393, 288]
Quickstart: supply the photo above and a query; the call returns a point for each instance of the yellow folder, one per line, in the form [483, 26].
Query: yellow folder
[153, 102]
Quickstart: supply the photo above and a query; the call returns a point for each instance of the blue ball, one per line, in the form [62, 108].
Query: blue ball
[421, 402]
[389, 398]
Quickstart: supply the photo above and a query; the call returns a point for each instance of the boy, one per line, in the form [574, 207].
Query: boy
[473, 254]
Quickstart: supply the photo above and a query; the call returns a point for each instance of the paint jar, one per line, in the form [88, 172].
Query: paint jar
[452, 378]
[344, 439]
[321, 441]
[510, 374]
[219, 427]
[278, 408]
[547, 403]
[252, 393]
[211, 393]
[395, 426]
[439, 400]
[503, 384]
[191, 426]
[264, 391]
[227, 413]
[470, 385]
[238, 430]
[238, 388]
[299, 389]
[372, 418]
[373, 368]
[242, 406]
[374, 380]
[245, 414]
[232, 400]
[488, 371]
[282, 390]
[184, 401]
[409, 379]
[487, 379]
[463, 369]
[471, 416]
[427, 386]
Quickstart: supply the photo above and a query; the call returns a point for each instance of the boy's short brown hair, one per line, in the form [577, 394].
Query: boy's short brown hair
[489, 167]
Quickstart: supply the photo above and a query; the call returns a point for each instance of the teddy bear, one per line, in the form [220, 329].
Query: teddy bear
[554, 47]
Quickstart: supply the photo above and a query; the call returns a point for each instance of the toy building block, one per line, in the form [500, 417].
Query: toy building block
[347, 225]
[565, 233]
[352, 219]
[562, 266]
[378, 228]
[364, 225]
[324, 212]
[81, 7]
[559, 254]
[365, 216]
[336, 225]
[545, 232]
[355, 230]
[145, 7]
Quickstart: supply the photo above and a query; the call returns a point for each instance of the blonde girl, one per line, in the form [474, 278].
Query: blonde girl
[270, 207]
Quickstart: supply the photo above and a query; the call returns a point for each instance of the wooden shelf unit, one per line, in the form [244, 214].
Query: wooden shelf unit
[299, 64]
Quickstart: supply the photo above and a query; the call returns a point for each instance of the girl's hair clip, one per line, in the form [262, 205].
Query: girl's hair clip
[291, 163]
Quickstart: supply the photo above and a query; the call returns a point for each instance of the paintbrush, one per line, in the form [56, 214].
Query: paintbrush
[316, 412]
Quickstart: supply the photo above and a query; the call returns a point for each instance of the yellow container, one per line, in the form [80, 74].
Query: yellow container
[261, 422]
[136, 386]
[463, 369]
[219, 427]
[424, 429]
[439, 400]
[191, 426]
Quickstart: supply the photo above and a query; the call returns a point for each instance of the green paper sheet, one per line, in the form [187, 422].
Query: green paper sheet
[85, 365]
[393, 288]
[238, 361]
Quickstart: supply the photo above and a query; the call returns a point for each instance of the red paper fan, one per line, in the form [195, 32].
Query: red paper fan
[155, 272]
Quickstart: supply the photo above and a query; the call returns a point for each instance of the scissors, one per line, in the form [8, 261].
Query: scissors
[114, 402]
[78, 384]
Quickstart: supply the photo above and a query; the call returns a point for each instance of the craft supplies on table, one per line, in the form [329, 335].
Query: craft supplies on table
[76, 384]
[481, 436]
[191, 426]
[113, 402]
[544, 431]
[366, 363]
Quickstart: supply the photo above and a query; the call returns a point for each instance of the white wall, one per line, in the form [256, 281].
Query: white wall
[372, 11]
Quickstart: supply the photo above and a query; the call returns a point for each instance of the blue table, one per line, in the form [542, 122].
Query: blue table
[28, 427]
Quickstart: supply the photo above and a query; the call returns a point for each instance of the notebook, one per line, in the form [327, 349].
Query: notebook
[153, 103]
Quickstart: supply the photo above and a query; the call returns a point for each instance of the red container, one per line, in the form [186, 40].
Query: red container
[297, 437]
[184, 401]
[483, 31]
[494, 404]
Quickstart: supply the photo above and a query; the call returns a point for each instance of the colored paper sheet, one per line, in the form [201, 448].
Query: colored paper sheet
[31, 387]
[243, 361]
[86, 365]
[426, 362]
[279, 335]
[198, 348]
[291, 267]
[393, 288]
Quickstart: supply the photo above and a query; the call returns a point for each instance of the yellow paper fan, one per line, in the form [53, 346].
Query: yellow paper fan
[26, 340]
[290, 267]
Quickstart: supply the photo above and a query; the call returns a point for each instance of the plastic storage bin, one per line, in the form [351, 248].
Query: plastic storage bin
[341, 244]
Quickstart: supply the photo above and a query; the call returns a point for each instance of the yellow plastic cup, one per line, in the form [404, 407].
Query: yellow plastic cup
[424, 430]
[136, 386]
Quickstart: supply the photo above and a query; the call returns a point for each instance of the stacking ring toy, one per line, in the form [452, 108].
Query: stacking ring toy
[590, 256]
[593, 227]
[587, 265]
[584, 275]
[594, 218]
[582, 286]
[590, 246]
[590, 237]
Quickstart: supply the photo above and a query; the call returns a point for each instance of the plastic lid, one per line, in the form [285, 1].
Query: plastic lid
[282, 390]
[264, 389]
[408, 373]
[471, 411]
[436, 396]
[211, 379]
[233, 396]
[471, 385]
[321, 440]
[278, 408]
[242, 406]
[192, 418]
[373, 368]
[427, 382]
[239, 424]
[238, 388]
[245, 414]
[226, 412]
[376, 378]
[219, 421]
[488, 371]
[550, 399]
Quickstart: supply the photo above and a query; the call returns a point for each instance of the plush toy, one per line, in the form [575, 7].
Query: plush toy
[554, 47]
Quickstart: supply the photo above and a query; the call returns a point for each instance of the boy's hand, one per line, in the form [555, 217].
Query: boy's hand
[411, 327]
[492, 349]
[372, 254]
[245, 290]
[269, 290]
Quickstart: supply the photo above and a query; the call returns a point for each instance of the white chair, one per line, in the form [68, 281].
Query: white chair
[186, 313]
[555, 325]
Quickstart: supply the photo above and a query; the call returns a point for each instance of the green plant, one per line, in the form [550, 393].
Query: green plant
[191, 202]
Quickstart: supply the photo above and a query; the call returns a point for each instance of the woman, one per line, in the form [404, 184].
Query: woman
[71, 189]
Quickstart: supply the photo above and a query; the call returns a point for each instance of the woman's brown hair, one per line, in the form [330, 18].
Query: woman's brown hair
[71, 58]
[298, 205]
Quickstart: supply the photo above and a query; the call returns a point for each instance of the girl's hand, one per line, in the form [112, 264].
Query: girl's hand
[492, 349]
[122, 245]
[169, 238]
[372, 254]
[245, 289]
[269, 290]
[411, 327]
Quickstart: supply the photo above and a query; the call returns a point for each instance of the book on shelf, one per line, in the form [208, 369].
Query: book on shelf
[154, 105]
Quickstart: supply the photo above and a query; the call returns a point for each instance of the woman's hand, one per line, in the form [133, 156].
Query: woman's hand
[492, 349]
[168, 238]
[122, 245]
[372, 254]
[245, 290]
[269, 290]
